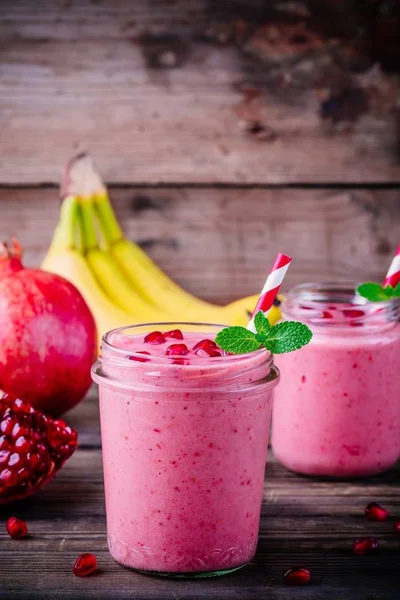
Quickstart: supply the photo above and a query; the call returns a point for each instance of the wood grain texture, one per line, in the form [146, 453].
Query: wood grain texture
[219, 243]
[177, 92]
[305, 521]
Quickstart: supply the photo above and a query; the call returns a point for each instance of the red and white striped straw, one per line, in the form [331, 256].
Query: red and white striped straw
[393, 275]
[271, 287]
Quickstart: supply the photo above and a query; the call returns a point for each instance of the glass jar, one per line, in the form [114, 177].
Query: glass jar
[184, 443]
[337, 411]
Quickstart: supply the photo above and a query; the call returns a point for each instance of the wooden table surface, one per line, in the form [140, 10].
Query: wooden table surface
[304, 522]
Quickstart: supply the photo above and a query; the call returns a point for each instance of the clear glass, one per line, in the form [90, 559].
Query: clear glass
[184, 452]
[337, 410]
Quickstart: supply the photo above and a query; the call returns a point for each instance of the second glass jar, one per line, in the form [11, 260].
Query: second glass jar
[337, 410]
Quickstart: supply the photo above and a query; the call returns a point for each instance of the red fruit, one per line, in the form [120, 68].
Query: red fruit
[84, 565]
[396, 526]
[376, 512]
[47, 336]
[326, 315]
[297, 576]
[155, 337]
[138, 359]
[174, 333]
[177, 350]
[205, 345]
[30, 460]
[368, 545]
[16, 528]
[207, 353]
[353, 313]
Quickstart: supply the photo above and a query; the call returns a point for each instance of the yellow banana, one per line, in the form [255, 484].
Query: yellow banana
[64, 259]
[126, 272]
[109, 274]
[148, 279]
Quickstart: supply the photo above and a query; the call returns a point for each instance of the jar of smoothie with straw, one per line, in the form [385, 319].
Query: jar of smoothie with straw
[337, 411]
[185, 429]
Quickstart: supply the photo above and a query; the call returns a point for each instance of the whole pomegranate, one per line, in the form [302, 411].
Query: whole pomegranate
[33, 447]
[47, 336]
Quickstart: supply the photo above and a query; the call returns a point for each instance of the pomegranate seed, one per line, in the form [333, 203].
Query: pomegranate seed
[205, 345]
[396, 526]
[326, 315]
[296, 576]
[140, 359]
[174, 333]
[155, 337]
[84, 565]
[4, 456]
[376, 512]
[177, 350]
[16, 528]
[367, 545]
[207, 353]
[180, 361]
[353, 313]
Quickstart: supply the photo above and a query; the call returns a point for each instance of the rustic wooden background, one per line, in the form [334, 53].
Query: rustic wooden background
[226, 130]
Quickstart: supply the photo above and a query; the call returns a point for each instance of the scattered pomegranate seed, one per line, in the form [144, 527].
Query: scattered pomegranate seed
[137, 358]
[177, 350]
[16, 528]
[353, 313]
[174, 333]
[207, 352]
[327, 315]
[84, 565]
[296, 576]
[367, 545]
[205, 345]
[396, 526]
[155, 337]
[376, 512]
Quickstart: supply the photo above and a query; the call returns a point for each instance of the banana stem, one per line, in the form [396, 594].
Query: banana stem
[110, 228]
[89, 233]
[67, 233]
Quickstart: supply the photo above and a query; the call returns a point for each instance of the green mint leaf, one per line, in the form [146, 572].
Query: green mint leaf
[237, 340]
[260, 337]
[396, 291]
[287, 337]
[374, 292]
[261, 323]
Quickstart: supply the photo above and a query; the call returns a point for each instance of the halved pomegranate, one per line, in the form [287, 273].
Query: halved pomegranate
[33, 447]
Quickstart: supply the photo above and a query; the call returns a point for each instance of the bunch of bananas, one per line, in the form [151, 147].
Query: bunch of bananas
[119, 281]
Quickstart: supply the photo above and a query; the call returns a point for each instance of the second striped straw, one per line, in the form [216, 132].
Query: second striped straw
[393, 275]
[271, 287]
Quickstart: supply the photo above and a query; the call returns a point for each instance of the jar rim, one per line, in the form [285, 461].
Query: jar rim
[336, 304]
[228, 373]
[173, 325]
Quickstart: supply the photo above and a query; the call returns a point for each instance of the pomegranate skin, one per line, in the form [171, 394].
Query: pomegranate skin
[47, 340]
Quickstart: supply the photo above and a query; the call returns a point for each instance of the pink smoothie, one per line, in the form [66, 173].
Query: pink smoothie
[337, 410]
[184, 451]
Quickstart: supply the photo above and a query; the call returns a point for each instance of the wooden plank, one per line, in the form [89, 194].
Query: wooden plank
[180, 93]
[201, 238]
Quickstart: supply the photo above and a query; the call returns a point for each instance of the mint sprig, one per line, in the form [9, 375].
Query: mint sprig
[278, 339]
[375, 292]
